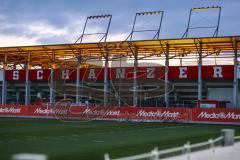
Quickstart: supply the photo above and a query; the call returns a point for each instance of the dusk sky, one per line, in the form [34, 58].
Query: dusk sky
[30, 22]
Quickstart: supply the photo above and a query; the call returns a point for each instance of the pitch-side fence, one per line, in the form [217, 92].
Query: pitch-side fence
[226, 139]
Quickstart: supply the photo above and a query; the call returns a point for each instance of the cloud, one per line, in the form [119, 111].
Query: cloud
[62, 22]
[2, 17]
[117, 37]
[11, 40]
[43, 28]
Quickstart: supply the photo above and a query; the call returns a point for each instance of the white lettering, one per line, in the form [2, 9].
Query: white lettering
[65, 74]
[182, 72]
[91, 74]
[51, 111]
[158, 114]
[120, 73]
[10, 110]
[217, 72]
[150, 72]
[221, 115]
[15, 75]
[39, 74]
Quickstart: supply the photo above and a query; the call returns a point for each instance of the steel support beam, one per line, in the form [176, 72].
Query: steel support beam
[200, 72]
[106, 86]
[4, 82]
[52, 86]
[166, 89]
[27, 85]
[135, 94]
[52, 82]
[235, 80]
[77, 83]
[27, 82]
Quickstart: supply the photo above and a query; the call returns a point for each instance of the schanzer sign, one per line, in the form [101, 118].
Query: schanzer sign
[174, 73]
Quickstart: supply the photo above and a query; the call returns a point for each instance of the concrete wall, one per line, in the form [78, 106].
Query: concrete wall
[224, 94]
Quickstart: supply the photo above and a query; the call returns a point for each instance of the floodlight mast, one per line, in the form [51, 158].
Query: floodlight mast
[156, 36]
[103, 39]
[215, 34]
[99, 17]
[135, 50]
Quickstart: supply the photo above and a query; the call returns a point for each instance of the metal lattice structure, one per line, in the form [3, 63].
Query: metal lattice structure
[91, 18]
[156, 30]
[216, 26]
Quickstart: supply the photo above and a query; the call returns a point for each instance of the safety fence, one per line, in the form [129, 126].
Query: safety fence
[226, 139]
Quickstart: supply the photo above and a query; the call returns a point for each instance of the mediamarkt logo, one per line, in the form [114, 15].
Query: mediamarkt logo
[158, 114]
[10, 110]
[50, 111]
[221, 115]
[101, 112]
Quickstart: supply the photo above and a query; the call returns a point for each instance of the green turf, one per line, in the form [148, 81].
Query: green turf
[90, 140]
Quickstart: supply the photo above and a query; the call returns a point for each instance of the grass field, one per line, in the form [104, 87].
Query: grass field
[90, 140]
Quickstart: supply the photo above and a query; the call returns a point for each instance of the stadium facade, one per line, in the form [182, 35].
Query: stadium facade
[187, 72]
[57, 66]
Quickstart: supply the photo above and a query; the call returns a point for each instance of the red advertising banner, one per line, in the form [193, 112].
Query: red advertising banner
[216, 115]
[145, 114]
[92, 74]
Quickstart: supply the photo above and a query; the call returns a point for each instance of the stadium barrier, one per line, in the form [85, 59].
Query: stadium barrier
[226, 139]
[141, 114]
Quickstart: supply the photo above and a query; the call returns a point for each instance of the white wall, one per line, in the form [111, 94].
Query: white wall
[224, 94]
[1, 74]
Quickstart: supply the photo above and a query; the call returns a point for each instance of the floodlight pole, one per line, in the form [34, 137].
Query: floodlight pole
[4, 82]
[103, 39]
[235, 80]
[27, 82]
[130, 37]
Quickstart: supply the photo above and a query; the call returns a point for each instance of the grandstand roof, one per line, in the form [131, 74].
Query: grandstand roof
[41, 55]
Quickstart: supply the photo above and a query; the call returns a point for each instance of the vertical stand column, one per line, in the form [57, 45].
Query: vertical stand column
[27, 82]
[77, 83]
[27, 85]
[106, 86]
[135, 95]
[4, 82]
[52, 83]
[166, 96]
[200, 72]
[235, 80]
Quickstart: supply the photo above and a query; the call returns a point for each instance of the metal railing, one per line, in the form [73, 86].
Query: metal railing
[237, 138]
[187, 148]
